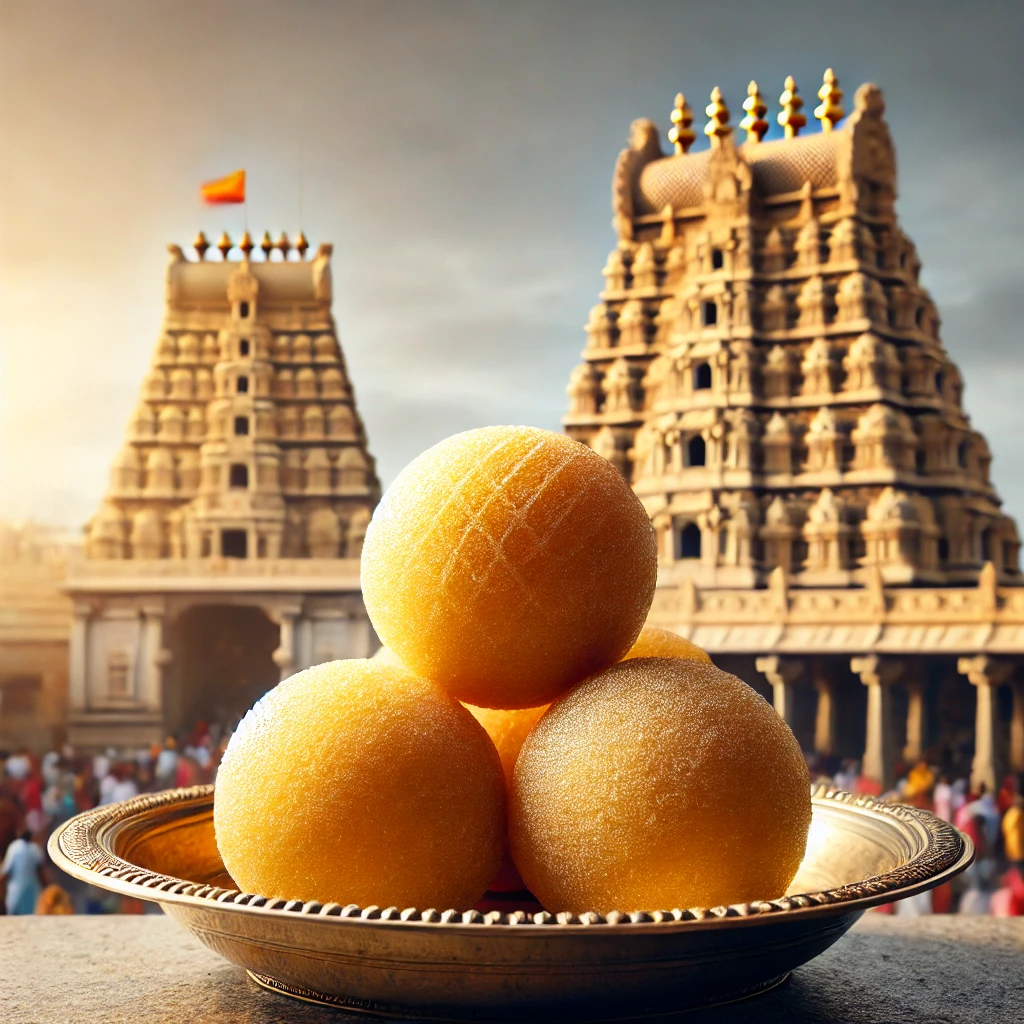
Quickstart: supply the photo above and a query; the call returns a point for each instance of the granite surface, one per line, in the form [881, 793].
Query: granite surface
[124, 970]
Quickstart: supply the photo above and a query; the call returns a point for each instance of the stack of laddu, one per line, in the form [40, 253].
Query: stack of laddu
[520, 727]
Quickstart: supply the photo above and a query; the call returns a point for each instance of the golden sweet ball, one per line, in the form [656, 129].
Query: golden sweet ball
[357, 782]
[507, 564]
[660, 783]
[662, 643]
[508, 731]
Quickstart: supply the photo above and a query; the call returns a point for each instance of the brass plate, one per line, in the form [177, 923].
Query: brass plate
[507, 964]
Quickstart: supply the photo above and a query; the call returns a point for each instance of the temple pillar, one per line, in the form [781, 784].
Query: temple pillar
[285, 654]
[825, 716]
[156, 658]
[1017, 729]
[78, 646]
[782, 673]
[878, 674]
[985, 674]
[915, 744]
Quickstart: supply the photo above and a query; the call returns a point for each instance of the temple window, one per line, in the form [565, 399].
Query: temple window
[243, 347]
[988, 545]
[689, 541]
[961, 454]
[243, 385]
[234, 543]
[858, 548]
[800, 552]
[723, 542]
[702, 376]
[710, 313]
[717, 259]
[241, 426]
[696, 451]
[940, 382]
[943, 550]
[117, 674]
[239, 476]
[243, 310]
[1009, 557]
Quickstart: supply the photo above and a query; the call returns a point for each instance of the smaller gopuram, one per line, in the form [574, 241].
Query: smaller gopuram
[766, 370]
[225, 554]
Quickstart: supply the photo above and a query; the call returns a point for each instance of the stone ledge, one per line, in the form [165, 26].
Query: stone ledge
[121, 970]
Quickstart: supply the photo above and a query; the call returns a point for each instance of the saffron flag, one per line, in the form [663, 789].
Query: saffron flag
[230, 189]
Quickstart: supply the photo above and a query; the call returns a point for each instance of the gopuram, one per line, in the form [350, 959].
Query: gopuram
[225, 555]
[766, 370]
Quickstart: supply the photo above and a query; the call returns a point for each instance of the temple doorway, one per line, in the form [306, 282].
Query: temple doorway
[222, 664]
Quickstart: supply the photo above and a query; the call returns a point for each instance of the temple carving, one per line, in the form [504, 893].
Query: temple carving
[224, 555]
[765, 368]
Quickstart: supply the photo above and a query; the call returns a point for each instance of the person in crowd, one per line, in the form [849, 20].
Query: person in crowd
[18, 766]
[22, 868]
[101, 764]
[167, 765]
[54, 900]
[125, 787]
[1013, 832]
[959, 797]
[984, 807]
[51, 769]
[108, 783]
[942, 799]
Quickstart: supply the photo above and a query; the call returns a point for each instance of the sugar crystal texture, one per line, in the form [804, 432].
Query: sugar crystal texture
[357, 782]
[507, 564]
[662, 643]
[659, 784]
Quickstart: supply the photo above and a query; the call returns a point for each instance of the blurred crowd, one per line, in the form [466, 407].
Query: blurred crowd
[38, 794]
[994, 821]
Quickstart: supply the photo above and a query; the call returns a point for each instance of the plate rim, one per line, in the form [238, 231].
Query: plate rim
[80, 847]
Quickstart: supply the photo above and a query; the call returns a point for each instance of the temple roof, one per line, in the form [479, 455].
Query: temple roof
[204, 282]
[780, 166]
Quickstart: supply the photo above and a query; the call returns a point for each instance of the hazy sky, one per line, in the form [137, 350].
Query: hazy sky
[459, 156]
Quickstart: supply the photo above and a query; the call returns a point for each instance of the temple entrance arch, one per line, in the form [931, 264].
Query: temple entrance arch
[221, 664]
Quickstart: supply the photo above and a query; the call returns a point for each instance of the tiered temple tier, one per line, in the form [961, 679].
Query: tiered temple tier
[766, 369]
[246, 425]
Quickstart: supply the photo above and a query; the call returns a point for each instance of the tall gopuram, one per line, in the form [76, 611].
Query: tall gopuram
[225, 555]
[765, 368]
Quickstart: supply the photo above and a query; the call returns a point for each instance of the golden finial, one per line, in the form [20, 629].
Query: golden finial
[790, 118]
[718, 127]
[284, 245]
[301, 245]
[681, 135]
[201, 245]
[224, 245]
[246, 244]
[754, 123]
[831, 109]
[266, 245]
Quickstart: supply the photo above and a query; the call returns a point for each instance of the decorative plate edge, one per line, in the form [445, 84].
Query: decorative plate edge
[78, 843]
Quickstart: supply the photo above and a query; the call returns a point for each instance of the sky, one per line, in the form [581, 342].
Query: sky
[459, 155]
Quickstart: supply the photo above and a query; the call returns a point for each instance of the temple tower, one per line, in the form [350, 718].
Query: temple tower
[766, 369]
[225, 553]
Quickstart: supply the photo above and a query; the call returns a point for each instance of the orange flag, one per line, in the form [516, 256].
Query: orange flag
[230, 189]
